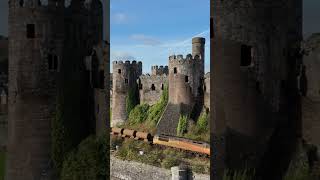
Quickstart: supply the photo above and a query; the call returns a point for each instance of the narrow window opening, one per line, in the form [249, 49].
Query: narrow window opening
[126, 81]
[186, 79]
[140, 86]
[162, 87]
[119, 71]
[31, 31]
[175, 70]
[258, 89]
[21, 3]
[50, 61]
[153, 87]
[55, 63]
[246, 55]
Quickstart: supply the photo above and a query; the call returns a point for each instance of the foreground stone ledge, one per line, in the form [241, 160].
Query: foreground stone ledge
[130, 170]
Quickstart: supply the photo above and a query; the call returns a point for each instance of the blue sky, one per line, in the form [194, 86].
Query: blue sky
[151, 30]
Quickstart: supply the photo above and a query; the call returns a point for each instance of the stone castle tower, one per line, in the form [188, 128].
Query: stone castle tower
[186, 75]
[125, 75]
[47, 46]
[255, 51]
[186, 87]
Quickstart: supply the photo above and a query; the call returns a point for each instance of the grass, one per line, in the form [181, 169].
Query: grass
[2, 164]
[239, 175]
[158, 156]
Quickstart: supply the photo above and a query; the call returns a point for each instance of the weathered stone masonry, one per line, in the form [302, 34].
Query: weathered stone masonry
[125, 75]
[254, 50]
[47, 43]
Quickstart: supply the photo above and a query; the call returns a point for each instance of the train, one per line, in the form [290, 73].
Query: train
[164, 140]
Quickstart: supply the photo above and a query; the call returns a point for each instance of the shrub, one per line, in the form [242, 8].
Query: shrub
[139, 114]
[155, 111]
[2, 164]
[182, 125]
[245, 174]
[170, 162]
[202, 123]
[60, 146]
[88, 161]
[132, 99]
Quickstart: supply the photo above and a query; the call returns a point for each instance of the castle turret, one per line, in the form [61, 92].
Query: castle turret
[125, 75]
[159, 70]
[35, 51]
[198, 47]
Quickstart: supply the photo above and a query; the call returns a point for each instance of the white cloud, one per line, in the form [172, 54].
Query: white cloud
[120, 18]
[121, 55]
[146, 40]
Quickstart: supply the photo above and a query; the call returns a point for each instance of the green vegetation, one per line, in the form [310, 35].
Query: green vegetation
[201, 130]
[70, 125]
[156, 156]
[88, 161]
[132, 99]
[246, 174]
[203, 122]
[138, 114]
[300, 173]
[2, 164]
[299, 168]
[60, 147]
[144, 117]
[156, 111]
[182, 125]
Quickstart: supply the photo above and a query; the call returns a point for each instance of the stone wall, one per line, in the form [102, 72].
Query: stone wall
[310, 90]
[44, 49]
[151, 88]
[124, 77]
[253, 83]
[129, 170]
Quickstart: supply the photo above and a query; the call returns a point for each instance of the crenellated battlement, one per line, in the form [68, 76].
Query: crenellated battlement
[159, 70]
[126, 63]
[53, 5]
[151, 76]
[181, 58]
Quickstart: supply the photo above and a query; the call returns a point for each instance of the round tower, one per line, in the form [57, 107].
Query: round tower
[124, 77]
[192, 69]
[35, 41]
[198, 46]
[254, 65]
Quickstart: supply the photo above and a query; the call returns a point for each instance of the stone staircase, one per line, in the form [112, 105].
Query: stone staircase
[169, 121]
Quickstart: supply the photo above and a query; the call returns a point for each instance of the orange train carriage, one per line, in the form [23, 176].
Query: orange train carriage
[165, 140]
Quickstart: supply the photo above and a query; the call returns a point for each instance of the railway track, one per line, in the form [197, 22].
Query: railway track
[202, 148]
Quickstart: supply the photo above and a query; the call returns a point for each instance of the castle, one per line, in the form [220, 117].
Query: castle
[56, 57]
[188, 86]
